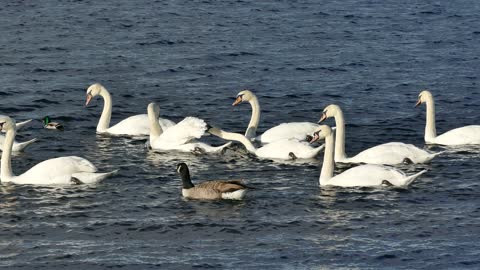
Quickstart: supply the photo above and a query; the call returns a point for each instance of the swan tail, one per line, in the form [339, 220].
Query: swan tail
[317, 150]
[22, 124]
[18, 147]
[221, 148]
[90, 178]
[411, 178]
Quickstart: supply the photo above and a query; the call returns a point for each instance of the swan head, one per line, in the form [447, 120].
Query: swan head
[423, 97]
[6, 123]
[329, 111]
[93, 90]
[153, 109]
[321, 133]
[243, 96]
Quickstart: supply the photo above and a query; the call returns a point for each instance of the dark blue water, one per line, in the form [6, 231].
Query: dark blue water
[192, 57]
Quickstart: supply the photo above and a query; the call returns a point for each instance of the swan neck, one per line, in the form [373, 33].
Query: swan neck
[328, 164]
[430, 129]
[6, 162]
[236, 137]
[104, 122]
[255, 119]
[340, 136]
[155, 128]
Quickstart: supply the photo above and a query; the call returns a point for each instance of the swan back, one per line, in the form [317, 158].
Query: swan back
[186, 130]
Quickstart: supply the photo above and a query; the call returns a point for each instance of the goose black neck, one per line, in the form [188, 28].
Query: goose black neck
[186, 180]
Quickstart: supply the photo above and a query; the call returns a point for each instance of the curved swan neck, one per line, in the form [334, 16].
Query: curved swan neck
[234, 137]
[328, 164]
[255, 119]
[104, 122]
[155, 128]
[430, 130]
[6, 162]
[340, 136]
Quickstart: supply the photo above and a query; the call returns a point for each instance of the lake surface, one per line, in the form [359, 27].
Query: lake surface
[192, 58]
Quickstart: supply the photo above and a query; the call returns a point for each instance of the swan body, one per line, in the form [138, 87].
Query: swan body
[62, 170]
[18, 147]
[459, 136]
[210, 190]
[292, 130]
[137, 125]
[181, 136]
[363, 175]
[282, 149]
[388, 153]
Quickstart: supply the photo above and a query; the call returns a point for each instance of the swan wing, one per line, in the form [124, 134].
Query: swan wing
[392, 153]
[186, 130]
[293, 130]
[137, 125]
[367, 175]
[459, 136]
[282, 149]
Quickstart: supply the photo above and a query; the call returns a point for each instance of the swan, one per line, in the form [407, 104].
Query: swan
[179, 137]
[281, 149]
[293, 130]
[363, 175]
[18, 147]
[210, 190]
[137, 125]
[457, 136]
[62, 170]
[388, 153]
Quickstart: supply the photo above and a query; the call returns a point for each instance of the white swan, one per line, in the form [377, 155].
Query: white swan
[293, 130]
[363, 175]
[388, 153]
[179, 137]
[137, 125]
[18, 147]
[457, 136]
[62, 170]
[281, 149]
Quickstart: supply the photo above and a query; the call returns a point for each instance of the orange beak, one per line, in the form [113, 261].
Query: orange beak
[238, 100]
[324, 116]
[315, 137]
[89, 97]
[418, 103]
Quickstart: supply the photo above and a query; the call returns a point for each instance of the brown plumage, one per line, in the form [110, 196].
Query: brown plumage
[210, 190]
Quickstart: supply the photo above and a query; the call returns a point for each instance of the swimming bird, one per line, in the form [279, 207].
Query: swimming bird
[62, 170]
[210, 190]
[363, 175]
[291, 130]
[137, 125]
[458, 136]
[388, 153]
[51, 125]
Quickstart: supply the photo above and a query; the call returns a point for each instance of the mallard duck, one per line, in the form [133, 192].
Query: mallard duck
[210, 190]
[51, 125]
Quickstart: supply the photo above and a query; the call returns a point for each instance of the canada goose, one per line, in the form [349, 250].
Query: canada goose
[210, 190]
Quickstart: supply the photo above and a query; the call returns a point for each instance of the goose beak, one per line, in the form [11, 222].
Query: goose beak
[89, 98]
[324, 116]
[418, 103]
[315, 137]
[238, 100]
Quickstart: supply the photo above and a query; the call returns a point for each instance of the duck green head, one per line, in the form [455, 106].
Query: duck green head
[46, 120]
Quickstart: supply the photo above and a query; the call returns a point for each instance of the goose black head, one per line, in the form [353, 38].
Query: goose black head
[182, 169]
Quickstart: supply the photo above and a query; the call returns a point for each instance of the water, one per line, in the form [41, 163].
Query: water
[192, 57]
